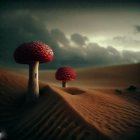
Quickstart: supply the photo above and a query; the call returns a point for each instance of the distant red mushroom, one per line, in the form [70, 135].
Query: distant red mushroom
[33, 53]
[65, 74]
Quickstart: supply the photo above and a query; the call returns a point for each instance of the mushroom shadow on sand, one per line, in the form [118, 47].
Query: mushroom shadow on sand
[33, 53]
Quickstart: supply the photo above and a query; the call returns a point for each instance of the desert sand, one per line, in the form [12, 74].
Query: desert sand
[96, 106]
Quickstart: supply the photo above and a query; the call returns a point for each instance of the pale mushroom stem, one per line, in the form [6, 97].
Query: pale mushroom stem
[33, 86]
[64, 84]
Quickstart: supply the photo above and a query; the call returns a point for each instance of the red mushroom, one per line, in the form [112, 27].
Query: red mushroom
[65, 74]
[33, 53]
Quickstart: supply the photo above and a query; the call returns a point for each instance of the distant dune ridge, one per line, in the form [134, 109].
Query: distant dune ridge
[91, 108]
[108, 77]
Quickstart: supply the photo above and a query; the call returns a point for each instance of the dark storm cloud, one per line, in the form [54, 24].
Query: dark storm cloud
[59, 36]
[79, 39]
[18, 27]
[130, 56]
[99, 55]
[137, 28]
[66, 2]
[95, 54]
[22, 26]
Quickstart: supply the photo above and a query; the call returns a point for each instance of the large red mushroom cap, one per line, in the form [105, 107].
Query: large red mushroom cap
[65, 74]
[30, 52]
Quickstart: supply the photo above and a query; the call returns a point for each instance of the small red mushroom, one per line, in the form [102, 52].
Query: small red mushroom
[65, 74]
[33, 53]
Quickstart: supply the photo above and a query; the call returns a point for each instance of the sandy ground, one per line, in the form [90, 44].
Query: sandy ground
[103, 77]
[95, 106]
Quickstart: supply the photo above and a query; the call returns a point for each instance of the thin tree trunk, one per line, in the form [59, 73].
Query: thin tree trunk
[33, 86]
[64, 84]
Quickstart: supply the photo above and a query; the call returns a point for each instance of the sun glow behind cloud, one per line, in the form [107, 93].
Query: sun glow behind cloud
[130, 42]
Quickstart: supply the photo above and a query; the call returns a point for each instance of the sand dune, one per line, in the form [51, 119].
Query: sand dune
[111, 114]
[49, 119]
[113, 76]
[74, 113]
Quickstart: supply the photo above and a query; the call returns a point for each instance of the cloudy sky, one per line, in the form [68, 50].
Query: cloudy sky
[81, 33]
